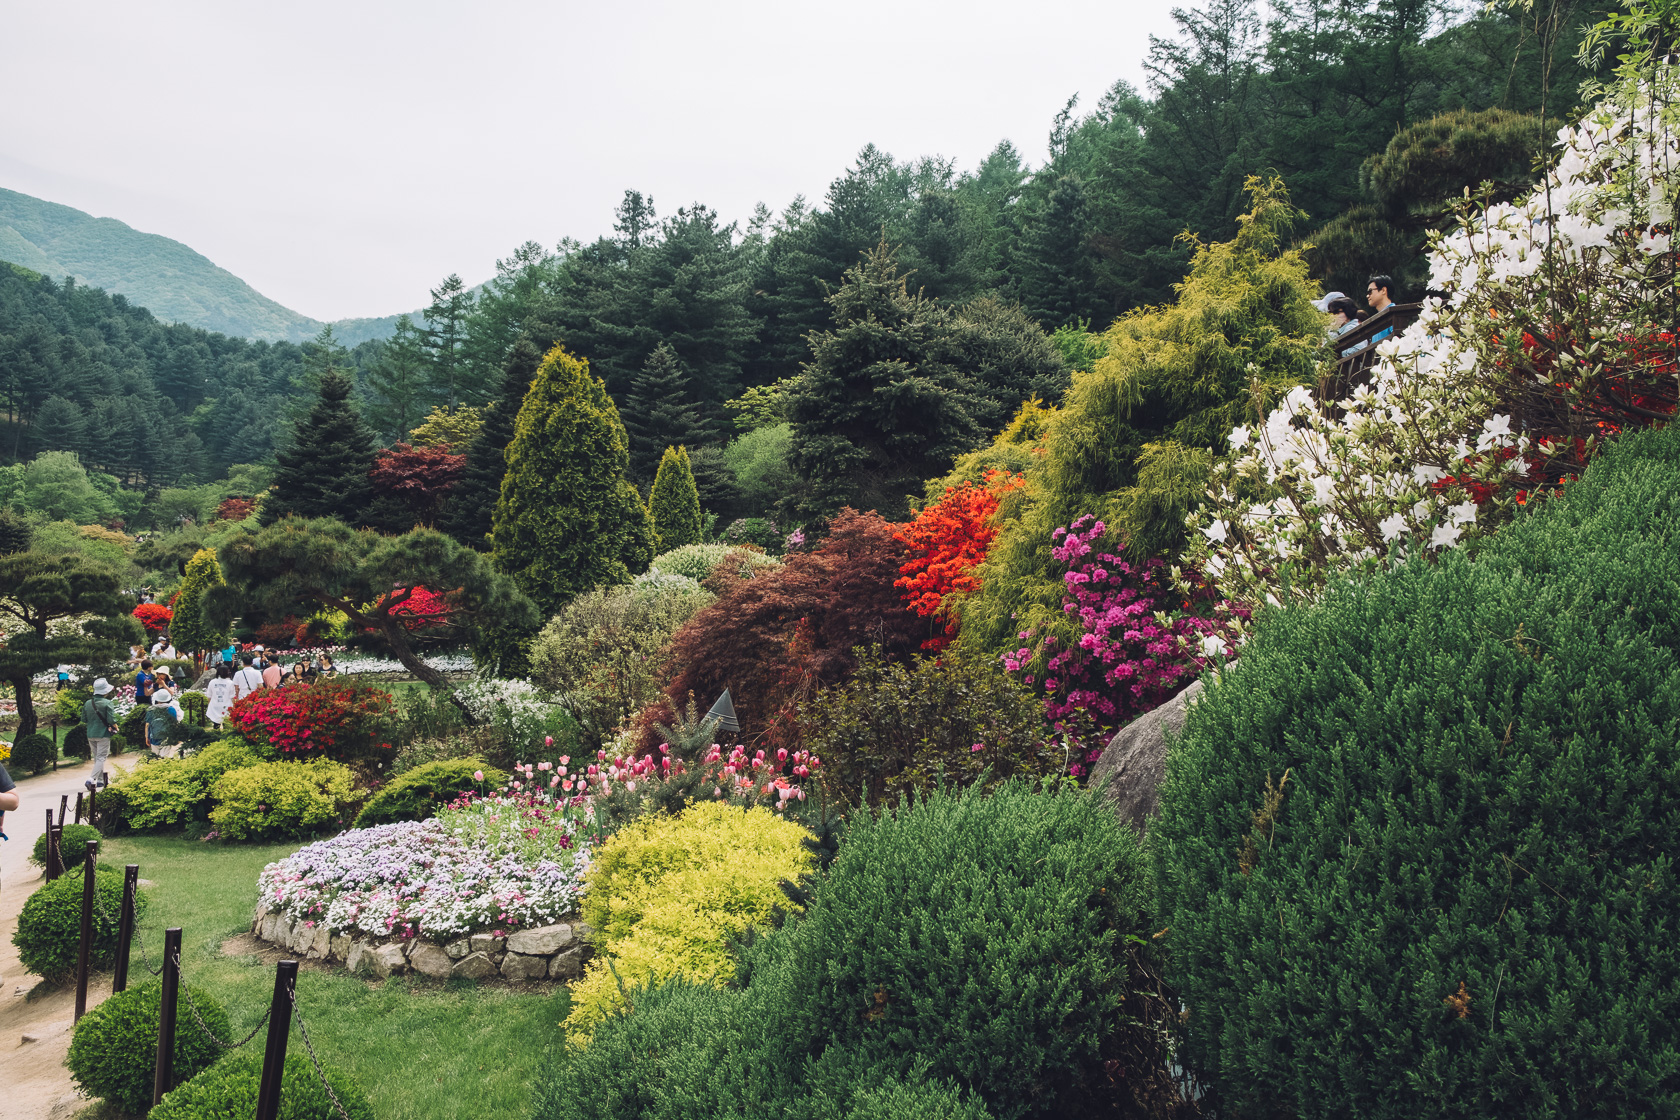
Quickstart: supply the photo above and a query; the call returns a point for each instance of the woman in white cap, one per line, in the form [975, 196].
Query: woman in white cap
[99, 715]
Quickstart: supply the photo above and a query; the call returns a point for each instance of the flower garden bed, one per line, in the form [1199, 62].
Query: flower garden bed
[488, 887]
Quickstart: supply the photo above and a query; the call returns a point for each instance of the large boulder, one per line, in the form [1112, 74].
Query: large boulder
[1136, 758]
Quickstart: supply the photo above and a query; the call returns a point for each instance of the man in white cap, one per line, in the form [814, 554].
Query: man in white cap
[100, 717]
[161, 719]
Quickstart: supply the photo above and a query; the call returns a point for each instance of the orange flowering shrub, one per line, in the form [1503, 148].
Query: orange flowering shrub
[947, 541]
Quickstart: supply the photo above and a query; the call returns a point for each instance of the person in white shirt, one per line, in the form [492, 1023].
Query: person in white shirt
[246, 681]
[222, 692]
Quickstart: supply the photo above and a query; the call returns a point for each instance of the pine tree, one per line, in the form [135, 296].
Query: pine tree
[675, 502]
[468, 512]
[658, 413]
[1056, 274]
[567, 520]
[190, 629]
[881, 405]
[398, 381]
[323, 471]
[443, 336]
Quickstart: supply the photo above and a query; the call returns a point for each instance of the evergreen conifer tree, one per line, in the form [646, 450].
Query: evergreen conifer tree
[567, 520]
[658, 413]
[190, 629]
[675, 501]
[1056, 270]
[323, 470]
[468, 511]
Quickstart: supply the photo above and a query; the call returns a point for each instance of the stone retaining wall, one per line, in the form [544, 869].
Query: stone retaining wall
[553, 952]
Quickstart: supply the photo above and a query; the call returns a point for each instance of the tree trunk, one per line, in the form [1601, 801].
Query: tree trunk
[25, 705]
[397, 638]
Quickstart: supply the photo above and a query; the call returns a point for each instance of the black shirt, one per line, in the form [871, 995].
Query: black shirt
[6, 783]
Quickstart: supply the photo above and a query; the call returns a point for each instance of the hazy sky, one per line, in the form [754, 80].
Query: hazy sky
[344, 157]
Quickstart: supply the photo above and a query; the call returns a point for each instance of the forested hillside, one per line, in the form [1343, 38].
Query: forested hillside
[992, 282]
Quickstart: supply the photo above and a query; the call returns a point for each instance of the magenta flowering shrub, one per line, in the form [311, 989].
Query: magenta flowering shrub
[1137, 641]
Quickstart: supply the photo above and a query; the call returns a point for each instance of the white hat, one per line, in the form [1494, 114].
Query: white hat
[101, 686]
[161, 696]
[1324, 304]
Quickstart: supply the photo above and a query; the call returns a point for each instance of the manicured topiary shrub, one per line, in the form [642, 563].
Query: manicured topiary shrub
[986, 942]
[416, 794]
[695, 561]
[170, 793]
[228, 1091]
[76, 743]
[72, 849]
[49, 930]
[113, 1053]
[32, 753]
[1415, 851]
[282, 800]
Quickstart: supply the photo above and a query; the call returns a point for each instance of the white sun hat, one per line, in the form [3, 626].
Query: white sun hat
[1324, 304]
[101, 686]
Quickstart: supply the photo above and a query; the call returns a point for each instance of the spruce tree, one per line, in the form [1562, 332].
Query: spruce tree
[658, 413]
[190, 629]
[675, 502]
[323, 470]
[567, 520]
[471, 503]
[1055, 267]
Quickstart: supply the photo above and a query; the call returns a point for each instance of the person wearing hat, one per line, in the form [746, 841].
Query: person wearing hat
[161, 719]
[99, 715]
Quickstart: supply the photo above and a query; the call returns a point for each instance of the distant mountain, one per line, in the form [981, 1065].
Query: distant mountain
[175, 283]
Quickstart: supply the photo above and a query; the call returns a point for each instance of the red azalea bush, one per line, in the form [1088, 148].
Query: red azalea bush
[947, 541]
[235, 509]
[328, 719]
[153, 616]
[1139, 642]
[775, 639]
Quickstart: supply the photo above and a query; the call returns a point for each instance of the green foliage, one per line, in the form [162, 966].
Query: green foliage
[32, 753]
[660, 412]
[72, 847]
[1433, 810]
[172, 792]
[76, 743]
[416, 794]
[694, 561]
[1137, 429]
[883, 403]
[228, 1091]
[15, 533]
[604, 650]
[567, 520]
[674, 503]
[49, 930]
[323, 468]
[1009, 356]
[113, 1053]
[666, 893]
[471, 503]
[189, 629]
[56, 484]
[282, 800]
[987, 944]
[760, 462]
[895, 727]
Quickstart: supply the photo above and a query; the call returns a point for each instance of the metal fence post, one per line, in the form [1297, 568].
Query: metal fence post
[63, 807]
[125, 926]
[163, 1075]
[55, 862]
[90, 868]
[79, 797]
[274, 1054]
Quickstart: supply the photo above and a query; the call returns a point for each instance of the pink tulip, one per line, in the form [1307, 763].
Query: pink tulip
[478, 775]
[548, 740]
[565, 760]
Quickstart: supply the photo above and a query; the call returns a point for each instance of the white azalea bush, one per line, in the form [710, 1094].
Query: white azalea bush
[1557, 332]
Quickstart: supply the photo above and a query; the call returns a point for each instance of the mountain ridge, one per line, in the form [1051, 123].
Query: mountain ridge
[171, 279]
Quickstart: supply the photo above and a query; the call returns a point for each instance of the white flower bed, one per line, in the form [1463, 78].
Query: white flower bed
[419, 877]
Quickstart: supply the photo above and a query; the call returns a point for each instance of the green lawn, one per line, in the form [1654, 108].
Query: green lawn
[421, 1050]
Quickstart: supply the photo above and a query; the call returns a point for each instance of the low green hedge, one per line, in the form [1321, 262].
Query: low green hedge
[113, 1052]
[417, 794]
[32, 753]
[76, 743]
[228, 1091]
[282, 800]
[49, 929]
[173, 792]
[72, 849]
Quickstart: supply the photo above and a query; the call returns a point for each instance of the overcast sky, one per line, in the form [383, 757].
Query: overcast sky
[343, 157]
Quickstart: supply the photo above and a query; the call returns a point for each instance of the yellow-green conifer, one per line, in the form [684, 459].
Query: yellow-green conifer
[189, 629]
[675, 501]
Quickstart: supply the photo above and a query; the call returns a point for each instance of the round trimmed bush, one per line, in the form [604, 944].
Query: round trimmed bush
[113, 1053]
[49, 930]
[228, 1091]
[72, 848]
[32, 753]
[1462, 900]
[76, 742]
[416, 794]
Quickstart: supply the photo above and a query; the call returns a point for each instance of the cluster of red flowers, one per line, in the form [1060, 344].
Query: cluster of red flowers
[330, 718]
[947, 540]
[235, 509]
[153, 616]
[423, 607]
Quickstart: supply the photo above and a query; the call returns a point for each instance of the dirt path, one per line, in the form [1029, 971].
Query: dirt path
[37, 1086]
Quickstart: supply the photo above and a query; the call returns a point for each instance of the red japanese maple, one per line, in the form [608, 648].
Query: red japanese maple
[418, 477]
[235, 509]
[947, 541]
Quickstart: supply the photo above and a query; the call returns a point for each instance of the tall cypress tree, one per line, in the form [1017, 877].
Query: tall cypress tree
[467, 513]
[658, 413]
[675, 501]
[323, 470]
[567, 519]
[190, 628]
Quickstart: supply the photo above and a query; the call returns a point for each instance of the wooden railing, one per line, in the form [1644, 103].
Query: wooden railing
[1353, 360]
